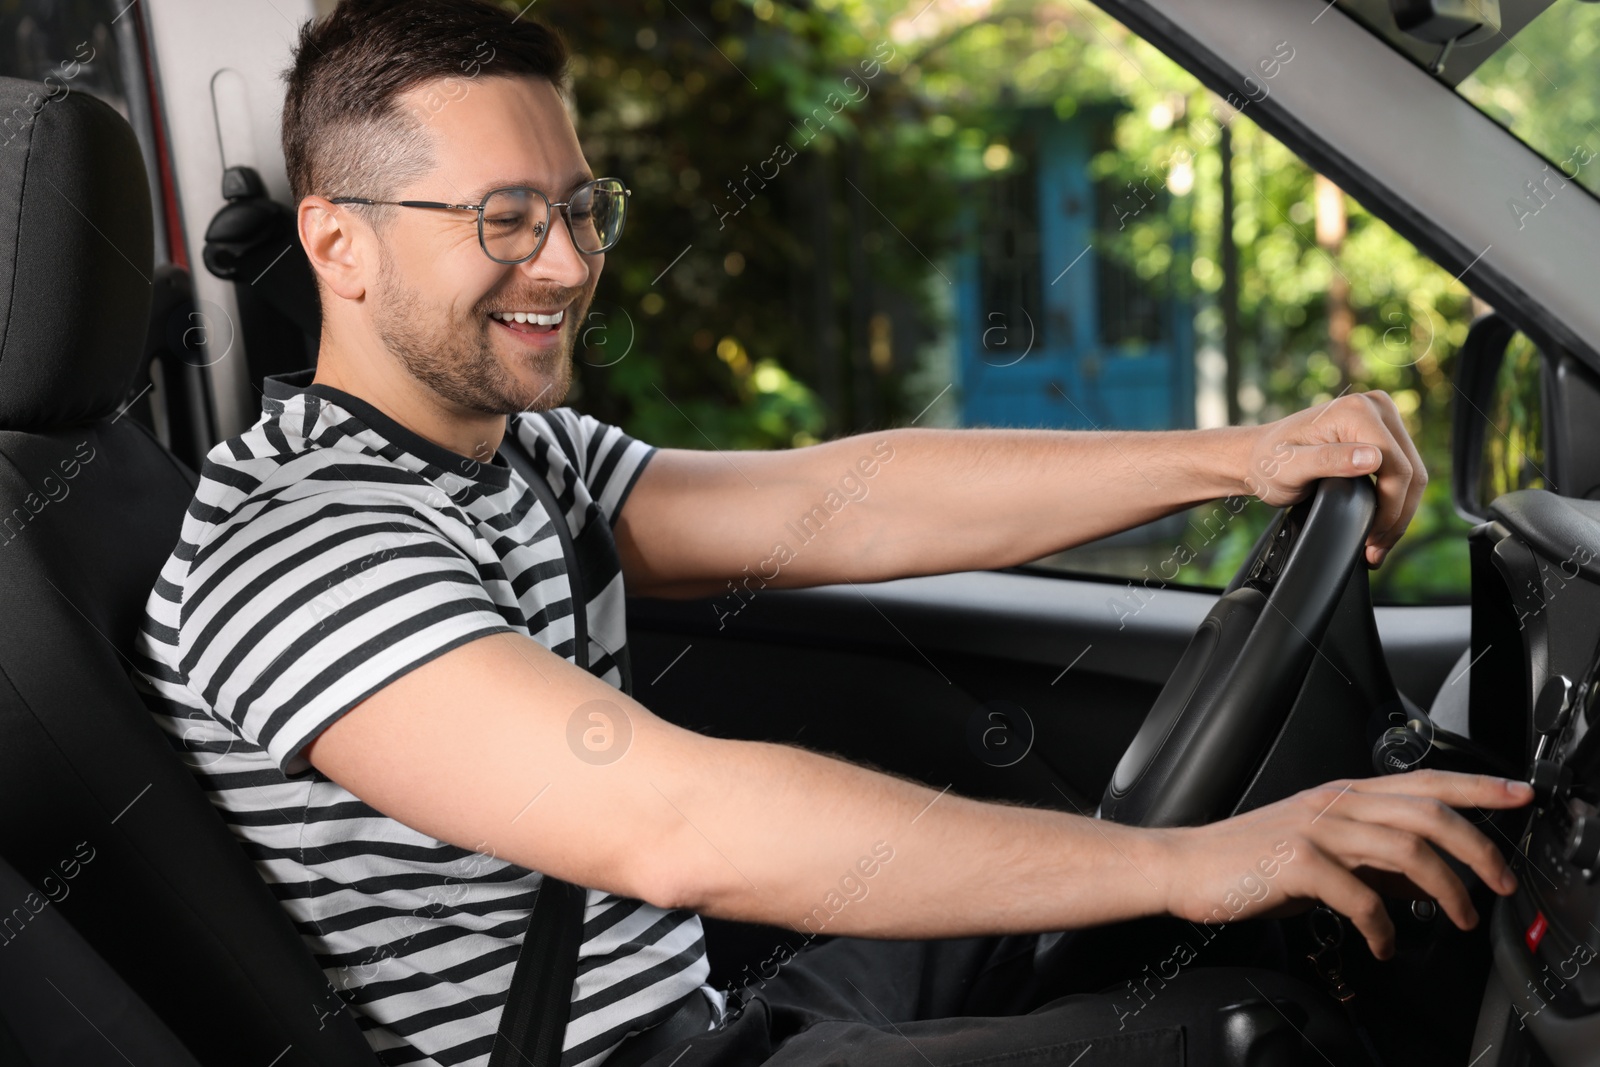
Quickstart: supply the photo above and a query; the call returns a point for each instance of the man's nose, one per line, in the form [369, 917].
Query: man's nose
[559, 260]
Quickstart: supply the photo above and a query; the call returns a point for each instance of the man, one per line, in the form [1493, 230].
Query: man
[383, 649]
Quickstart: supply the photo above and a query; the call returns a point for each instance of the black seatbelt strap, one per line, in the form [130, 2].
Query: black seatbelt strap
[569, 551]
[534, 1021]
[604, 555]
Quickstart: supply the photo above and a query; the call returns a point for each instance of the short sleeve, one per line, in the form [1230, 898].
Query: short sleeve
[294, 616]
[607, 460]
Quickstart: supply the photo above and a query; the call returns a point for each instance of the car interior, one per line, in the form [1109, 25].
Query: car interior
[1195, 704]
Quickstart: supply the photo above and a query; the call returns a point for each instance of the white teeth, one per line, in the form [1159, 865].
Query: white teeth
[529, 316]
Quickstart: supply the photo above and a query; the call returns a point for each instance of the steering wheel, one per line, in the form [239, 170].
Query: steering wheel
[1231, 692]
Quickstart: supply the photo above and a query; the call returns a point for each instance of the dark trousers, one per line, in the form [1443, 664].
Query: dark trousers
[1157, 993]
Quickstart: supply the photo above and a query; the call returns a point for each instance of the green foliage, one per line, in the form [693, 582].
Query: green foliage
[1545, 87]
[773, 154]
[1513, 449]
[1408, 315]
[748, 297]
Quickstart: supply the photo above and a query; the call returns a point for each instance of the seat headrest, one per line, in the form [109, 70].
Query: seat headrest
[76, 251]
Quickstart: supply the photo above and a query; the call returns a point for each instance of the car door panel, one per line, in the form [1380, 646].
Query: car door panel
[895, 673]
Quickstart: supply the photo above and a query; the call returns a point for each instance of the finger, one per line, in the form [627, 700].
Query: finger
[1433, 820]
[1358, 843]
[1397, 426]
[1335, 886]
[1454, 788]
[1386, 536]
[1394, 476]
[1340, 459]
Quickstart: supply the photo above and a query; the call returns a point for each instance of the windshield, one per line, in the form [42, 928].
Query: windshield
[1543, 85]
[1535, 76]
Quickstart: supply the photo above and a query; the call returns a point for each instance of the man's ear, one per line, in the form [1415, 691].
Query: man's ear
[329, 237]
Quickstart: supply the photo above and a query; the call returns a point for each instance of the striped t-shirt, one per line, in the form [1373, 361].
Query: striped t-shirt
[329, 550]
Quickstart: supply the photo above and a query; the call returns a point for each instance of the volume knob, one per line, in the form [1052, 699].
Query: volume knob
[1550, 780]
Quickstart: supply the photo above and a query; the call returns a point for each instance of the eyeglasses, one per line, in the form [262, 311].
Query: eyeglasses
[514, 221]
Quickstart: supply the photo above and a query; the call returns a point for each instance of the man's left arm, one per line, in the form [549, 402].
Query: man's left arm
[895, 503]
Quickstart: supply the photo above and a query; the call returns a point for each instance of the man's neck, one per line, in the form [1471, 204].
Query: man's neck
[411, 404]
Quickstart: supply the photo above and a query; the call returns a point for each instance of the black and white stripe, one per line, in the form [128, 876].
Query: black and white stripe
[328, 551]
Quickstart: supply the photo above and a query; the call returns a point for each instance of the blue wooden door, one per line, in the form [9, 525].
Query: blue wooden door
[1057, 358]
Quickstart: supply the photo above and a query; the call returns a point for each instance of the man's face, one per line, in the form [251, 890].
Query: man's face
[436, 290]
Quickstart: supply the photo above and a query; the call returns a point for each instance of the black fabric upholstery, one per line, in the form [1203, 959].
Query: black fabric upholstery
[75, 256]
[90, 507]
[47, 963]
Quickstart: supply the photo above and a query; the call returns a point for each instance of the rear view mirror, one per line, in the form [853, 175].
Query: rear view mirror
[1446, 23]
[1439, 21]
[1497, 430]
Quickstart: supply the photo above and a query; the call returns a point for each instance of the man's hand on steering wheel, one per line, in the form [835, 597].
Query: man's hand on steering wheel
[1359, 433]
[1341, 843]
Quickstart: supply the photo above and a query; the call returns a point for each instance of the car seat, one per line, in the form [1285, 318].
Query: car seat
[90, 507]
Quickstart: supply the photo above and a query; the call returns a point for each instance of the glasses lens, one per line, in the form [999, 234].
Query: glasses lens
[513, 222]
[596, 211]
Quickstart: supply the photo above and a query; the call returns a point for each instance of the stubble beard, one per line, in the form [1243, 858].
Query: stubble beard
[457, 359]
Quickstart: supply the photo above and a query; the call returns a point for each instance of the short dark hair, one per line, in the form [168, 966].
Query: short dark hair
[344, 134]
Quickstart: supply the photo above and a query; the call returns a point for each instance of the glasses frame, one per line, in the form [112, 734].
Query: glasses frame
[550, 212]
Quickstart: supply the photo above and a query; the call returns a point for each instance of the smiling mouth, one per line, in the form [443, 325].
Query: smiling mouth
[530, 322]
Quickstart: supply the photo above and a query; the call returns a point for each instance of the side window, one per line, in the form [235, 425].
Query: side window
[1201, 275]
[1133, 305]
[1009, 262]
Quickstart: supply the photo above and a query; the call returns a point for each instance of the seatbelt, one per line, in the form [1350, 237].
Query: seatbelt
[607, 552]
[534, 1021]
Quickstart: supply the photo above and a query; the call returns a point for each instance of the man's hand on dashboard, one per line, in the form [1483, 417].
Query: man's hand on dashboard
[1338, 844]
[1359, 433]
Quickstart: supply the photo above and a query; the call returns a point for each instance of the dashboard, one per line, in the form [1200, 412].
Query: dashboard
[1536, 695]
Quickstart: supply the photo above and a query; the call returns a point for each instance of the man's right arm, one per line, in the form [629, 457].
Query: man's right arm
[501, 746]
